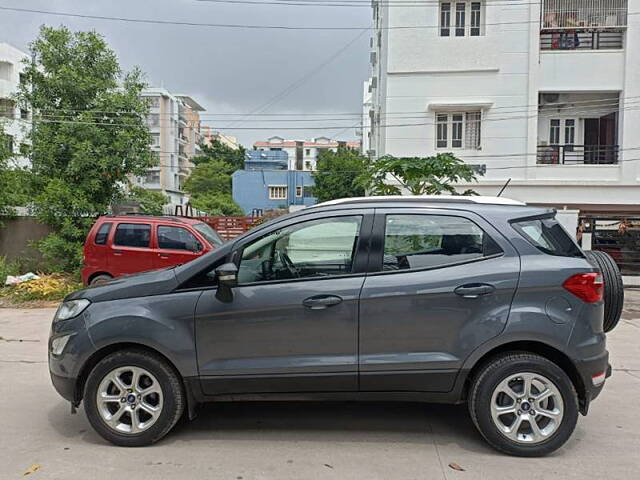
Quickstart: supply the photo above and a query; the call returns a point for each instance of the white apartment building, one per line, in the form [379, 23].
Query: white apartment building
[303, 154]
[174, 121]
[209, 135]
[14, 121]
[544, 94]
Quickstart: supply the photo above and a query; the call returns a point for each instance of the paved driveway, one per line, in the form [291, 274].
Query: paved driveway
[301, 441]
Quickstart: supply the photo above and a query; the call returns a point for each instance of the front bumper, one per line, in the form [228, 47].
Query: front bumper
[65, 368]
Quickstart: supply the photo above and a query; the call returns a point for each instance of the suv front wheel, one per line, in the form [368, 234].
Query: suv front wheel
[133, 398]
[523, 404]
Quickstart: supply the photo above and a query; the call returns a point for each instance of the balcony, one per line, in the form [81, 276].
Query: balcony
[553, 40]
[577, 154]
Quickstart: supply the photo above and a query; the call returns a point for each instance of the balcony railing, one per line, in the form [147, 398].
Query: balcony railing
[577, 154]
[584, 14]
[581, 40]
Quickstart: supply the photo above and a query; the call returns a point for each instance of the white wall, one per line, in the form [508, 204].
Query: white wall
[12, 65]
[503, 73]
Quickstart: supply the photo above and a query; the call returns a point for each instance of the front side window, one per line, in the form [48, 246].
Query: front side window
[177, 238]
[277, 193]
[428, 241]
[548, 236]
[312, 249]
[102, 234]
[132, 235]
[459, 130]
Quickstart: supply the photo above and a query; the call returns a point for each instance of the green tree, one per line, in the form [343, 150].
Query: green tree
[209, 184]
[339, 174]
[90, 135]
[151, 203]
[419, 175]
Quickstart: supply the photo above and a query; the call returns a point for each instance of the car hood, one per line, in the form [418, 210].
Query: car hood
[144, 284]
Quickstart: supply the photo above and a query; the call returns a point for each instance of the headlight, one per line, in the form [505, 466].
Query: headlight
[71, 309]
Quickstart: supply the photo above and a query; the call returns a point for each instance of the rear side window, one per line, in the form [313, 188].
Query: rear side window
[548, 236]
[426, 241]
[103, 234]
[132, 235]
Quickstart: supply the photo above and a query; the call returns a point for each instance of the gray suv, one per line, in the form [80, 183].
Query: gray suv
[476, 300]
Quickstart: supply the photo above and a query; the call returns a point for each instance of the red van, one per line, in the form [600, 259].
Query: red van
[121, 245]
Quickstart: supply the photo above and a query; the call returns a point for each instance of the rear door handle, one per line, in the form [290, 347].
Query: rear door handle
[117, 252]
[474, 290]
[320, 302]
[163, 255]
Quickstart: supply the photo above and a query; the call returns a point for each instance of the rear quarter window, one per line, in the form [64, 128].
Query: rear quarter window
[103, 233]
[548, 236]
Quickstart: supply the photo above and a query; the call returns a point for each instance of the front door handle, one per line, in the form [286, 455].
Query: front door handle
[320, 302]
[163, 255]
[474, 290]
[117, 252]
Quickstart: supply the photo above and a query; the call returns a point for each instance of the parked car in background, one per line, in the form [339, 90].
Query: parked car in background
[122, 245]
[476, 300]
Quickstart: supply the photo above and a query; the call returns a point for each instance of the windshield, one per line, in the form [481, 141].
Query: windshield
[209, 234]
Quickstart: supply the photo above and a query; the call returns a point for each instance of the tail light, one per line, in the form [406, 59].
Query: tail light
[586, 286]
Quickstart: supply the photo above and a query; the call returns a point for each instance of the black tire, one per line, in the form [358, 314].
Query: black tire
[172, 391]
[613, 287]
[499, 369]
[100, 280]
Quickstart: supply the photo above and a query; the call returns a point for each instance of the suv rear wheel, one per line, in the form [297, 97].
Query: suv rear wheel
[133, 398]
[523, 404]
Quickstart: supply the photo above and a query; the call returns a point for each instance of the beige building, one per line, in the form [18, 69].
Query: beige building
[174, 121]
[209, 135]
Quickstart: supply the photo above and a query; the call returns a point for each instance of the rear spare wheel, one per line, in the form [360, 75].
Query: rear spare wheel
[613, 288]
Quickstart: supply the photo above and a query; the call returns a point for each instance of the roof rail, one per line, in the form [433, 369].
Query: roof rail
[425, 199]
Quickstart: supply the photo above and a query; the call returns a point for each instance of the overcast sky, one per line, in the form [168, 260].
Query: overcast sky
[227, 70]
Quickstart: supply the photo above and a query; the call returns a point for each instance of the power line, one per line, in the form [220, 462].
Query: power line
[241, 26]
[356, 3]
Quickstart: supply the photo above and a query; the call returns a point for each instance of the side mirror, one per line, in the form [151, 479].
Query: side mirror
[227, 276]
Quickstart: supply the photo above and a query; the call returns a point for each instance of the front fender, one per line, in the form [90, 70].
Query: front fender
[164, 323]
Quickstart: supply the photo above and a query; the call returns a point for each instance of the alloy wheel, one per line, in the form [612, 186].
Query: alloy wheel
[527, 408]
[129, 399]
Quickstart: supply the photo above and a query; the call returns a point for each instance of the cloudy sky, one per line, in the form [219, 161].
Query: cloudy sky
[230, 70]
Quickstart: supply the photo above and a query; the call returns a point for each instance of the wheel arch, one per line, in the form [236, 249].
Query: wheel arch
[545, 350]
[107, 350]
[96, 274]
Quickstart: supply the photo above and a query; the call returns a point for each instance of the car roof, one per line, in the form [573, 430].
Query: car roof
[139, 217]
[467, 199]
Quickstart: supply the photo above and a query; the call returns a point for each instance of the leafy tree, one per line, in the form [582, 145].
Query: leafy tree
[217, 150]
[339, 174]
[211, 176]
[151, 203]
[210, 181]
[90, 135]
[217, 204]
[419, 175]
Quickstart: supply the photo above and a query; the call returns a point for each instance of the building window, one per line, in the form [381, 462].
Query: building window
[153, 120]
[554, 131]
[569, 134]
[445, 19]
[442, 122]
[468, 18]
[6, 141]
[460, 13]
[307, 152]
[472, 130]
[307, 165]
[299, 191]
[465, 128]
[475, 19]
[277, 193]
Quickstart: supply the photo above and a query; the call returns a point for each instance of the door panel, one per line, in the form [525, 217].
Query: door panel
[415, 329]
[267, 332]
[292, 325]
[130, 251]
[173, 246]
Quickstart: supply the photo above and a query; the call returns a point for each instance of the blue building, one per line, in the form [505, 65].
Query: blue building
[266, 183]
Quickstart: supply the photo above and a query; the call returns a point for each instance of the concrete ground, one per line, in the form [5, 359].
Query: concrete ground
[301, 441]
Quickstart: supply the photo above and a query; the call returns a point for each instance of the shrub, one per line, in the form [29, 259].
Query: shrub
[47, 287]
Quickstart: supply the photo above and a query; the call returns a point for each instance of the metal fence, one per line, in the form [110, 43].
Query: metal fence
[581, 40]
[571, 14]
